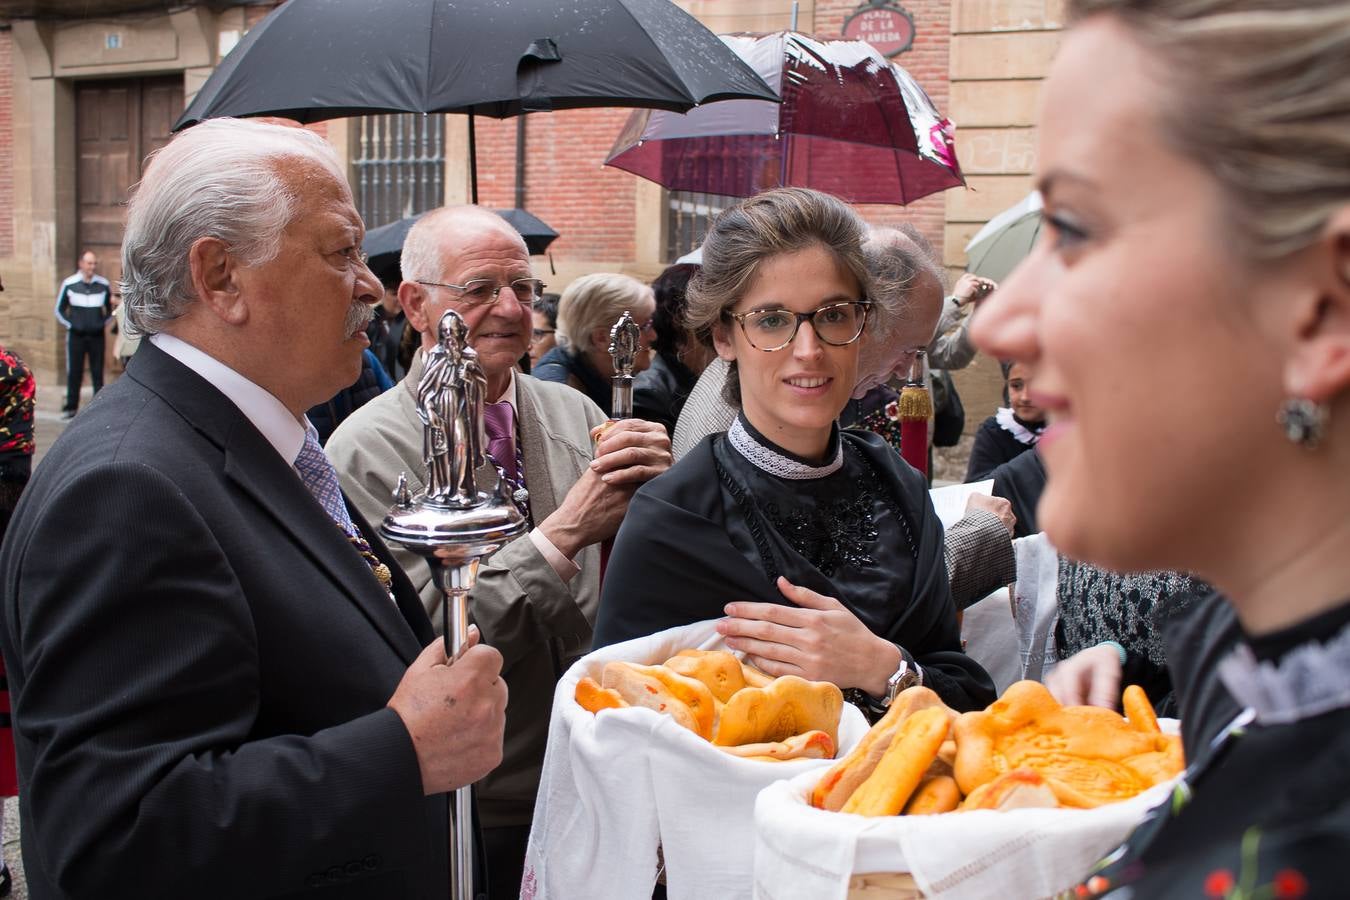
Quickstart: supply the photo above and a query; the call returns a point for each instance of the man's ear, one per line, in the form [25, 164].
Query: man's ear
[722, 343]
[216, 280]
[1319, 367]
[413, 297]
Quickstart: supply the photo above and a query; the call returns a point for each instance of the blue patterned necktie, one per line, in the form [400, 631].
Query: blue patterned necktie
[321, 479]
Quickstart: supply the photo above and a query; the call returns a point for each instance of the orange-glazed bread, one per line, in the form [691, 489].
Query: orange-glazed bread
[811, 745]
[788, 706]
[754, 677]
[1138, 711]
[902, 767]
[1018, 789]
[687, 700]
[719, 670]
[843, 778]
[1160, 765]
[593, 698]
[1080, 750]
[935, 794]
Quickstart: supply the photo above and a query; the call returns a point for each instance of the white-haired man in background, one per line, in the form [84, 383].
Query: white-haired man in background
[536, 598]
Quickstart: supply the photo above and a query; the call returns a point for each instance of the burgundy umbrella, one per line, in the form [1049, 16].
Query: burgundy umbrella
[851, 123]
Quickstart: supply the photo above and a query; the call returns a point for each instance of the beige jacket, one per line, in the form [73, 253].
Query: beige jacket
[521, 605]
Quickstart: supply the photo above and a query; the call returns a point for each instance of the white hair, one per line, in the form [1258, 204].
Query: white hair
[218, 179]
[424, 247]
[595, 302]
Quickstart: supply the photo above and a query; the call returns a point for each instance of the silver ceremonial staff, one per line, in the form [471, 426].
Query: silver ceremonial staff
[452, 523]
[623, 348]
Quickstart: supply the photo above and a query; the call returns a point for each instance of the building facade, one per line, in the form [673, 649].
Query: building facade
[88, 88]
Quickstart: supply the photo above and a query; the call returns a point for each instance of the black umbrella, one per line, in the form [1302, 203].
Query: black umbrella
[384, 244]
[311, 60]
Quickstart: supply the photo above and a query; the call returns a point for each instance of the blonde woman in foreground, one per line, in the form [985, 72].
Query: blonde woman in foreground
[1195, 263]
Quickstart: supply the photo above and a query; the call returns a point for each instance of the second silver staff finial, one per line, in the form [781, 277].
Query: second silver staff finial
[623, 349]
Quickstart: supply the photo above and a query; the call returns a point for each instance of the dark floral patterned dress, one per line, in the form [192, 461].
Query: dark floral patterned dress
[1263, 810]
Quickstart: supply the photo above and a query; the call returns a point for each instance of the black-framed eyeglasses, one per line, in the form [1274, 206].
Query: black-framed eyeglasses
[538, 334]
[481, 291]
[836, 324]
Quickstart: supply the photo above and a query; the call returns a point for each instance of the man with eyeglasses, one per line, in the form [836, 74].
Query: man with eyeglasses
[536, 598]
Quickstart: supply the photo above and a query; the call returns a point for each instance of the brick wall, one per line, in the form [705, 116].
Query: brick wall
[566, 185]
[6, 144]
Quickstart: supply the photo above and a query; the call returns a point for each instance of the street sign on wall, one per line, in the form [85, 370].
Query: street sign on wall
[885, 25]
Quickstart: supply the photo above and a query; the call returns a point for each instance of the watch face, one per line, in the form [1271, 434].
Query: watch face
[908, 679]
[904, 677]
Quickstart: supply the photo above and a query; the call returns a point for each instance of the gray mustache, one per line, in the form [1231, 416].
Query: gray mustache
[359, 315]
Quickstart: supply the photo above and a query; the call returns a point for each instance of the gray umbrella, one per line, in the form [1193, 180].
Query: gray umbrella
[311, 60]
[1006, 239]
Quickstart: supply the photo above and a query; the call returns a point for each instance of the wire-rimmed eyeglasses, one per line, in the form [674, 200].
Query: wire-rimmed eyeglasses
[836, 324]
[481, 291]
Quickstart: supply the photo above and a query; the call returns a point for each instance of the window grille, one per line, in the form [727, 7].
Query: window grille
[688, 217]
[399, 165]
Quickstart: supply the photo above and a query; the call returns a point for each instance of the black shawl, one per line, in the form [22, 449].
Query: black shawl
[715, 528]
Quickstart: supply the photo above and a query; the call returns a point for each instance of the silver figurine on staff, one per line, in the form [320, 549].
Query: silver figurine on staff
[452, 523]
[623, 349]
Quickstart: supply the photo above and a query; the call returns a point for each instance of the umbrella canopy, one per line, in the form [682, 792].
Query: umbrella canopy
[1006, 239]
[384, 244]
[321, 59]
[851, 123]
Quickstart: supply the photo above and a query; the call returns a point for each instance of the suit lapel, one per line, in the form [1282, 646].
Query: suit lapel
[256, 468]
[259, 471]
[538, 478]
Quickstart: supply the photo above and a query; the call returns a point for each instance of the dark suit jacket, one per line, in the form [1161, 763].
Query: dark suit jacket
[200, 664]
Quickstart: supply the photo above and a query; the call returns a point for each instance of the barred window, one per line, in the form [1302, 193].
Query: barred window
[688, 217]
[400, 161]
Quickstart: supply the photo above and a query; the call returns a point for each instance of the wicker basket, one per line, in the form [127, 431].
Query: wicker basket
[884, 886]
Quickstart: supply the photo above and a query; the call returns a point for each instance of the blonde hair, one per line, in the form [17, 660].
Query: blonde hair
[1261, 99]
[593, 302]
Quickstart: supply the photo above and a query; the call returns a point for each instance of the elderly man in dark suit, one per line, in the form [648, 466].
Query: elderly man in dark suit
[219, 691]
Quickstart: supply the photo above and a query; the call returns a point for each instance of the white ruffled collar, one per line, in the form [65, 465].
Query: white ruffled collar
[1308, 681]
[1009, 423]
[768, 458]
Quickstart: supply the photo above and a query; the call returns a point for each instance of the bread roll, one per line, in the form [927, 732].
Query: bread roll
[1018, 789]
[936, 794]
[788, 706]
[1138, 711]
[719, 670]
[687, 700]
[1080, 750]
[811, 745]
[902, 767]
[844, 777]
[593, 698]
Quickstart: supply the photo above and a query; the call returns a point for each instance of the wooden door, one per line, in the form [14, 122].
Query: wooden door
[117, 124]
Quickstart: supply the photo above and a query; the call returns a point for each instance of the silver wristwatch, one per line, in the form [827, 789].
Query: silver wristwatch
[906, 676]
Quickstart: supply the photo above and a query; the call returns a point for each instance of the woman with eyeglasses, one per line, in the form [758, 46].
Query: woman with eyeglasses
[588, 309]
[820, 547]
